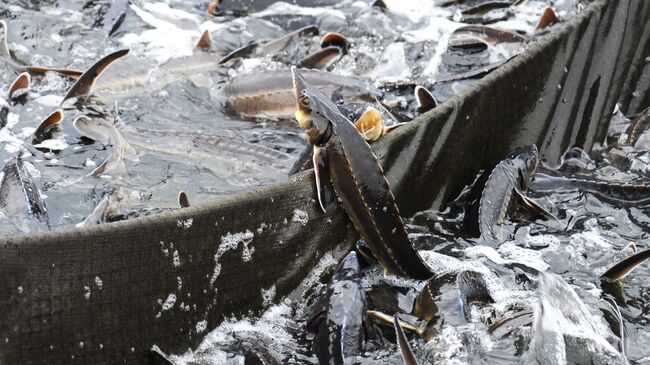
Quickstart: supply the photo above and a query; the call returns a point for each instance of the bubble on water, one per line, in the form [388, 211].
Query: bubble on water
[300, 216]
[99, 282]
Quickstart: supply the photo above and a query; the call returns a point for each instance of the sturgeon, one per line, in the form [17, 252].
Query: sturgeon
[340, 333]
[20, 199]
[269, 94]
[492, 198]
[342, 153]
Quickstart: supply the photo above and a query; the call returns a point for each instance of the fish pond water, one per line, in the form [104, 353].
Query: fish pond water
[181, 118]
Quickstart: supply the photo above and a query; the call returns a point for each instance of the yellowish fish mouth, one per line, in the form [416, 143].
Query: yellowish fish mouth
[303, 118]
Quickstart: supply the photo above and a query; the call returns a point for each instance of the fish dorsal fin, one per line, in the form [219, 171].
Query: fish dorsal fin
[205, 42]
[321, 59]
[425, 99]
[20, 86]
[85, 82]
[335, 39]
[183, 201]
[547, 18]
[51, 121]
[381, 4]
[4, 49]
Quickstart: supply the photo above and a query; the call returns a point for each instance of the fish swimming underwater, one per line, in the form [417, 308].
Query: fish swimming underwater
[21, 202]
[269, 94]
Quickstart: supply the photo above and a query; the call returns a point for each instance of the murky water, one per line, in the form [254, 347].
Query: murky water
[187, 141]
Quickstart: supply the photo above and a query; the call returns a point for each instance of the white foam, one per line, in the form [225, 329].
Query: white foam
[230, 242]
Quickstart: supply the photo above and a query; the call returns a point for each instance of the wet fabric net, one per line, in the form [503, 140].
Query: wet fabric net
[106, 294]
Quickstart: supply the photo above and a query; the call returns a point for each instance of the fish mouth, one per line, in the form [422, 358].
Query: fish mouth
[303, 114]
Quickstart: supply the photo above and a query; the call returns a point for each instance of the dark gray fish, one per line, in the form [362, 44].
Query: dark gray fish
[272, 47]
[20, 199]
[269, 94]
[116, 15]
[243, 7]
[509, 323]
[84, 84]
[623, 268]
[5, 56]
[492, 198]
[474, 73]
[341, 152]
[486, 12]
[403, 343]
[4, 113]
[340, 333]
[489, 34]
[628, 193]
[472, 290]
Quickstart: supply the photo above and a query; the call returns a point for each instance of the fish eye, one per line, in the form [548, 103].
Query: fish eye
[305, 101]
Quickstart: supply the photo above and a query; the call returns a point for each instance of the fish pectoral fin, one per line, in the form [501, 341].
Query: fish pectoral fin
[324, 188]
[536, 209]
[624, 267]
[321, 59]
[528, 204]
[403, 343]
[304, 161]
